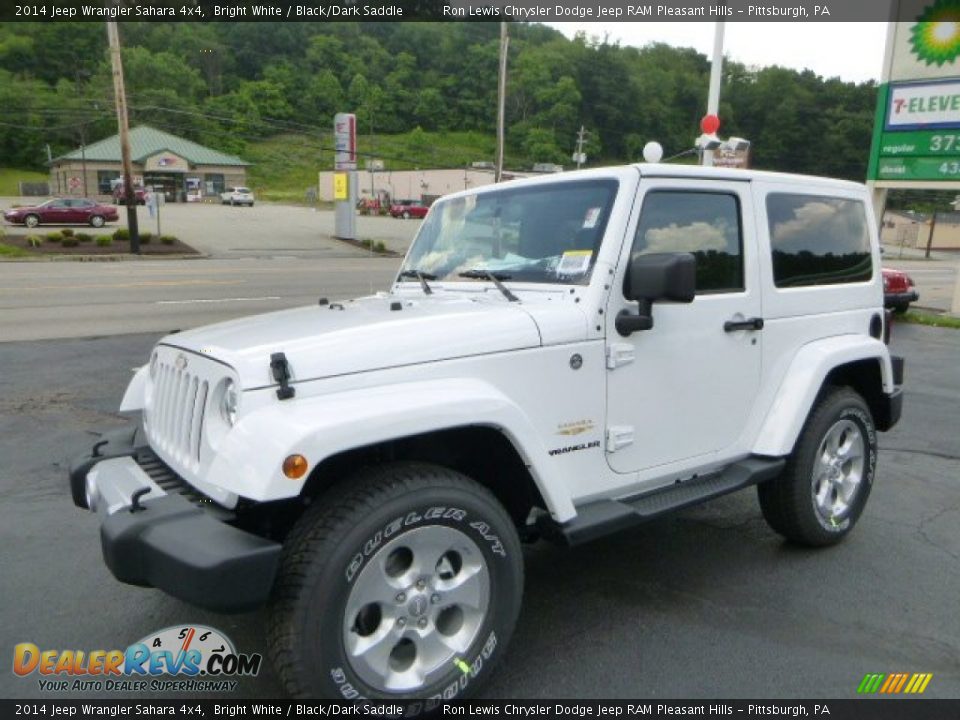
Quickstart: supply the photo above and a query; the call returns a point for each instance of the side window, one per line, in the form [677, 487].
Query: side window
[818, 240]
[706, 224]
[105, 180]
[214, 183]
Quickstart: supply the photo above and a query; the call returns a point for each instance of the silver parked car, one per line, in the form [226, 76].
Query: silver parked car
[237, 196]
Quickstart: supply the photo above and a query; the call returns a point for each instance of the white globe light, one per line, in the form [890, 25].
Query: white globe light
[652, 152]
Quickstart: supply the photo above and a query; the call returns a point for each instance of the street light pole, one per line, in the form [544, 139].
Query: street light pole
[716, 74]
[501, 99]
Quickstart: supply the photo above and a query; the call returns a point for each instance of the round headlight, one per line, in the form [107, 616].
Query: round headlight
[230, 402]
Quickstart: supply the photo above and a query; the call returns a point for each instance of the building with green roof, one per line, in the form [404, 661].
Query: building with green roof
[180, 168]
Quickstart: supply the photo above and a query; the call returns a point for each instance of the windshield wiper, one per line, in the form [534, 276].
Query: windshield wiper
[493, 277]
[422, 277]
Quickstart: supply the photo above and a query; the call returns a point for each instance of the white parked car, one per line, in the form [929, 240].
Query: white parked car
[237, 196]
[560, 358]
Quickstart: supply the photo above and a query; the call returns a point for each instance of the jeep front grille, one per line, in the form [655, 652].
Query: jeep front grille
[173, 484]
[175, 422]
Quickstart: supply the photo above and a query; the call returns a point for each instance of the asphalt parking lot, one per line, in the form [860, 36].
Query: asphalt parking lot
[709, 603]
[265, 230]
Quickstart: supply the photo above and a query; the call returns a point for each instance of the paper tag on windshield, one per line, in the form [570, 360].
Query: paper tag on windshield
[590, 219]
[574, 262]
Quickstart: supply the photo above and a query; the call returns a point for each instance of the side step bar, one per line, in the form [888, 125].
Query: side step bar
[603, 517]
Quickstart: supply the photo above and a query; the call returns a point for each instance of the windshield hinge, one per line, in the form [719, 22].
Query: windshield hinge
[619, 354]
[281, 373]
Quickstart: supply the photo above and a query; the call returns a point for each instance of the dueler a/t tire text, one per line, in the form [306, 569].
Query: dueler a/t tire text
[825, 485]
[358, 570]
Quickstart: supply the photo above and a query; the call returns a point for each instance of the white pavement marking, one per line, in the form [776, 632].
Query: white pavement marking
[216, 300]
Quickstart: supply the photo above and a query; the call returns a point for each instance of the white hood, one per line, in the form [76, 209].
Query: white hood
[366, 334]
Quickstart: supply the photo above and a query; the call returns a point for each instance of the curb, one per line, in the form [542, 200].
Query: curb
[373, 253]
[105, 257]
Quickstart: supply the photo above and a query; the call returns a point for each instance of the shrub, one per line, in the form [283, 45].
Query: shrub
[84, 237]
[380, 246]
[366, 242]
[3, 233]
[54, 237]
[104, 240]
[145, 238]
[68, 242]
[34, 240]
[67, 232]
[168, 239]
[121, 234]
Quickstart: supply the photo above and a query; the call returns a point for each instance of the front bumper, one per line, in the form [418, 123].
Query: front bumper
[891, 300]
[157, 531]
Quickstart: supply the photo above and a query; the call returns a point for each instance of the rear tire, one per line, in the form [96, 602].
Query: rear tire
[404, 582]
[901, 308]
[406, 215]
[96, 221]
[825, 485]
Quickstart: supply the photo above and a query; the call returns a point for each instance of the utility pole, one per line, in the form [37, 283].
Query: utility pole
[716, 74]
[581, 135]
[83, 141]
[933, 226]
[121, 98]
[501, 99]
[83, 156]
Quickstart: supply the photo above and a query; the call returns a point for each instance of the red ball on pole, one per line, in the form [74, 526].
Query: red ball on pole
[710, 124]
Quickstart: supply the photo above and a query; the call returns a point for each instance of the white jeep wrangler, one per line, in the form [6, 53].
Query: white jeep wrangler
[559, 357]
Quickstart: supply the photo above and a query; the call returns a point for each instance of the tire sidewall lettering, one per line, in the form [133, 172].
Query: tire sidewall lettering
[451, 515]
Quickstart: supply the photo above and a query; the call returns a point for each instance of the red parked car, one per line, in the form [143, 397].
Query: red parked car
[898, 290]
[407, 209]
[62, 211]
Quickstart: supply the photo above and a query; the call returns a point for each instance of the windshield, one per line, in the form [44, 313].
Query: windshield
[546, 233]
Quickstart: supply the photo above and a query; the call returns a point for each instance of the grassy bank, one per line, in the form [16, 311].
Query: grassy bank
[10, 177]
[286, 166]
[918, 317]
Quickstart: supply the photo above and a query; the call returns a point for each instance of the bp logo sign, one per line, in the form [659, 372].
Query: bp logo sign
[916, 134]
[935, 38]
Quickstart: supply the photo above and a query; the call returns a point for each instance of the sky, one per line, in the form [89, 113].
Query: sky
[851, 51]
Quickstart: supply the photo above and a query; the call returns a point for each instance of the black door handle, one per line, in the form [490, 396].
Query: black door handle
[748, 324]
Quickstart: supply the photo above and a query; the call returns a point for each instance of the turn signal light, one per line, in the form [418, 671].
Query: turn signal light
[295, 466]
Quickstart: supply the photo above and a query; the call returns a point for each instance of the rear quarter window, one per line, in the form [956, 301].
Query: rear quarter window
[818, 240]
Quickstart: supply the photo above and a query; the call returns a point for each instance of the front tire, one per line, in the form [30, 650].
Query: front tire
[31, 221]
[827, 480]
[404, 582]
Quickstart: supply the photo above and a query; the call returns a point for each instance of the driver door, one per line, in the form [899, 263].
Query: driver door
[57, 212]
[680, 394]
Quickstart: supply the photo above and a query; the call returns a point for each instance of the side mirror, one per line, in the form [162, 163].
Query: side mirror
[655, 278]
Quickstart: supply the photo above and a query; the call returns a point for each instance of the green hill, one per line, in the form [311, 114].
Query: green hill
[11, 177]
[284, 166]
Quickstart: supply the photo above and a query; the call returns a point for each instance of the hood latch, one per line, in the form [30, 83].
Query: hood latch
[281, 373]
